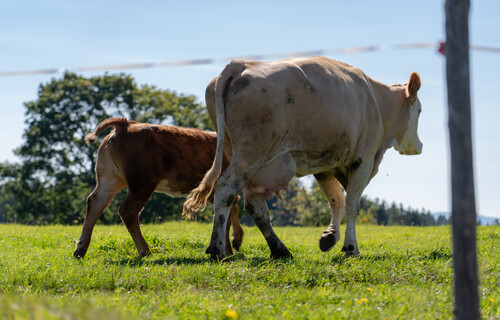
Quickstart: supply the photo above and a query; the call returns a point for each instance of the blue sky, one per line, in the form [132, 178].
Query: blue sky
[68, 35]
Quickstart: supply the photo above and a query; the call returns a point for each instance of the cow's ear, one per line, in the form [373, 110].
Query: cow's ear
[413, 86]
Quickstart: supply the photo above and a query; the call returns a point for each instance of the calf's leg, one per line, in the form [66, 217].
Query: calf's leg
[237, 229]
[129, 212]
[105, 190]
[229, 249]
[234, 221]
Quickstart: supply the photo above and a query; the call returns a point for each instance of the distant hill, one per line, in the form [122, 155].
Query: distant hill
[485, 221]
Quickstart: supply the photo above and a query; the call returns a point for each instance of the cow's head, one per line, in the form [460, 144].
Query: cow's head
[410, 144]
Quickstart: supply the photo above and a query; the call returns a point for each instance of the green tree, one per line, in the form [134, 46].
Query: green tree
[286, 211]
[368, 211]
[316, 211]
[55, 175]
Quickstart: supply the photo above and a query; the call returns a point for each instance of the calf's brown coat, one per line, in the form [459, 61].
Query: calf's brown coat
[148, 158]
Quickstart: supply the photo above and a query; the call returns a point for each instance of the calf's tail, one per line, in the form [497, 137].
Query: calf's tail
[111, 122]
[197, 199]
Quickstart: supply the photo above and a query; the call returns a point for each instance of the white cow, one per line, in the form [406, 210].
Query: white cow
[301, 116]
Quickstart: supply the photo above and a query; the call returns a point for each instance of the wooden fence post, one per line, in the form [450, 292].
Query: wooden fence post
[462, 177]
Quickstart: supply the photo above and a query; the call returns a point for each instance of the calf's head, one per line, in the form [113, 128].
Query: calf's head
[409, 143]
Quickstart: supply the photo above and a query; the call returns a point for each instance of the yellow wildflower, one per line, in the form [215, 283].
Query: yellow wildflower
[231, 314]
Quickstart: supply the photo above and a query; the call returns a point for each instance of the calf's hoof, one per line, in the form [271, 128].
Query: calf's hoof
[229, 251]
[145, 253]
[327, 240]
[236, 244]
[350, 251]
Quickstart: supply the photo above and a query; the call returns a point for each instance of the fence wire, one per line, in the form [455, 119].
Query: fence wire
[439, 46]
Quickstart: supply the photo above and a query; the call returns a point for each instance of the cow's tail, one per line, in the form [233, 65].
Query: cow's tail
[197, 199]
[111, 122]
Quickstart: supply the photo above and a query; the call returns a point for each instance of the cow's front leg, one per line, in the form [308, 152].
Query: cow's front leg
[350, 243]
[224, 198]
[359, 177]
[331, 189]
[256, 206]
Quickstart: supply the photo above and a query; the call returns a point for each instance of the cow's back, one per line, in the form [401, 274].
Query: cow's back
[316, 105]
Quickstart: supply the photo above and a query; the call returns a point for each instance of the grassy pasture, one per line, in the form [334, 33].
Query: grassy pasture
[402, 273]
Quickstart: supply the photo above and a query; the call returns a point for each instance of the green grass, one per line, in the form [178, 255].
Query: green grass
[402, 273]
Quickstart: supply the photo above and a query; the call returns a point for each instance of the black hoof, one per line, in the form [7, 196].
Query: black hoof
[214, 253]
[212, 250]
[281, 254]
[79, 253]
[349, 251]
[236, 244]
[327, 241]
[214, 257]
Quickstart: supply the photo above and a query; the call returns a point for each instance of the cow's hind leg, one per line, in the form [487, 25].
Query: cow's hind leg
[223, 202]
[333, 193]
[226, 192]
[129, 212]
[106, 188]
[256, 206]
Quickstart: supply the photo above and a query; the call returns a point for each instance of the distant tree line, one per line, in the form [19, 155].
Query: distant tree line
[56, 170]
[304, 207]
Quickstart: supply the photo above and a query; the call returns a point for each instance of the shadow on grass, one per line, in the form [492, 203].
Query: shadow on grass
[238, 257]
[433, 255]
[140, 261]
[263, 261]
[440, 254]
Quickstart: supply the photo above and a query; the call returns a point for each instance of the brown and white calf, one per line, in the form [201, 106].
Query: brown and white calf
[148, 158]
[296, 117]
